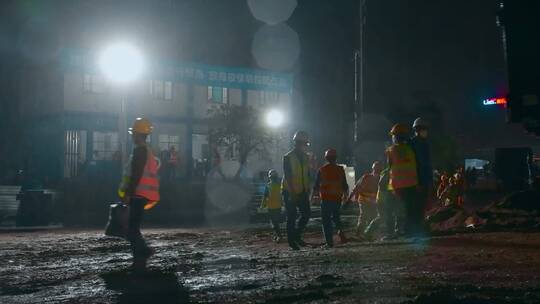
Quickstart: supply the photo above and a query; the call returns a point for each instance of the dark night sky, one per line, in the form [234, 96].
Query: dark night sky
[447, 53]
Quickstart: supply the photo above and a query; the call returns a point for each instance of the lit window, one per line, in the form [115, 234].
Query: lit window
[218, 94]
[160, 89]
[105, 145]
[93, 84]
[268, 97]
[168, 90]
[167, 141]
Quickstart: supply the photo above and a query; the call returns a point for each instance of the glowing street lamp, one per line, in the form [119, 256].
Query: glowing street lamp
[275, 118]
[121, 63]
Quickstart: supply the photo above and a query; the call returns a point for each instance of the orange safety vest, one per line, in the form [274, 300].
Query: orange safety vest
[331, 182]
[403, 172]
[368, 189]
[148, 186]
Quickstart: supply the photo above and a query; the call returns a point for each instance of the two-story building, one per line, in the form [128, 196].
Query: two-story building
[74, 113]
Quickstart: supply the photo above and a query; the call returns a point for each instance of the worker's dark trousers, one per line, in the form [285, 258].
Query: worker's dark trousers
[368, 212]
[330, 214]
[391, 213]
[424, 196]
[138, 245]
[275, 220]
[295, 203]
[414, 210]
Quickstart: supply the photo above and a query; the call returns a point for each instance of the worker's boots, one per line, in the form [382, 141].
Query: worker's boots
[139, 261]
[359, 233]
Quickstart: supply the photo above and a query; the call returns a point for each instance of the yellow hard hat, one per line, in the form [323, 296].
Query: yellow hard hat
[141, 126]
[399, 129]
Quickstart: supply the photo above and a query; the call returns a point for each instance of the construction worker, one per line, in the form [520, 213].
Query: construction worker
[273, 202]
[404, 176]
[391, 211]
[420, 146]
[450, 195]
[365, 193]
[331, 185]
[172, 162]
[459, 180]
[443, 184]
[139, 189]
[295, 187]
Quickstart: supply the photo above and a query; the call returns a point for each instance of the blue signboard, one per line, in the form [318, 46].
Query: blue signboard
[207, 75]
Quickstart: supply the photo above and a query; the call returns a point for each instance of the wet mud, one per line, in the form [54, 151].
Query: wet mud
[245, 266]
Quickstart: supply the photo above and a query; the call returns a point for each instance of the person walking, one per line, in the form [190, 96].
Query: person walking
[139, 190]
[365, 193]
[273, 202]
[419, 144]
[390, 209]
[331, 185]
[295, 186]
[403, 181]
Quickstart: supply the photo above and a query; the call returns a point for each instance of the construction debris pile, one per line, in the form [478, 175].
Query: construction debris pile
[520, 210]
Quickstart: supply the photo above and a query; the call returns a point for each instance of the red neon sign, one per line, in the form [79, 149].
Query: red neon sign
[495, 101]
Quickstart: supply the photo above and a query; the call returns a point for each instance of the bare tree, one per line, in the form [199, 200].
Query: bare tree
[241, 130]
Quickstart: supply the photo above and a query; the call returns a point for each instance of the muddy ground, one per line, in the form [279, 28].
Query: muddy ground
[244, 266]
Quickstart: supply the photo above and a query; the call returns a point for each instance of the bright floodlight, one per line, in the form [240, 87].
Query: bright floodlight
[274, 118]
[121, 63]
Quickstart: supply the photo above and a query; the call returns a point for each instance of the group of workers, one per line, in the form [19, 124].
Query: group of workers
[451, 188]
[403, 184]
[395, 194]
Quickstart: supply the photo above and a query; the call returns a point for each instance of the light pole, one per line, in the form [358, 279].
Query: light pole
[121, 63]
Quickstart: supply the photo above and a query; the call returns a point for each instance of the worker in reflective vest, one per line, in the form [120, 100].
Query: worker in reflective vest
[331, 185]
[403, 177]
[139, 189]
[273, 202]
[295, 187]
[365, 192]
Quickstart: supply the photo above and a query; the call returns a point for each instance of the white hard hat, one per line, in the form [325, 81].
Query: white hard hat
[301, 136]
[272, 173]
[420, 123]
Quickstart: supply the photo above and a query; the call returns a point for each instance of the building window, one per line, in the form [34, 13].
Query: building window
[74, 152]
[160, 89]
[268, 97]
[167, 141]
[105, 145]
[93, 83]
[218, 95]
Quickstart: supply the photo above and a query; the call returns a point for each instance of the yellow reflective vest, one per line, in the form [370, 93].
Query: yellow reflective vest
[403, 172]
[274, 199]
[299, 171]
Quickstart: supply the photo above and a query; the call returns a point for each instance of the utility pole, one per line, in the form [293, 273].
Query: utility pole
[359, 72]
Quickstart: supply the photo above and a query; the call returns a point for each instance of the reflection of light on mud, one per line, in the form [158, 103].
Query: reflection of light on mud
[272, 11]
[276, 47]
[419, 244]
